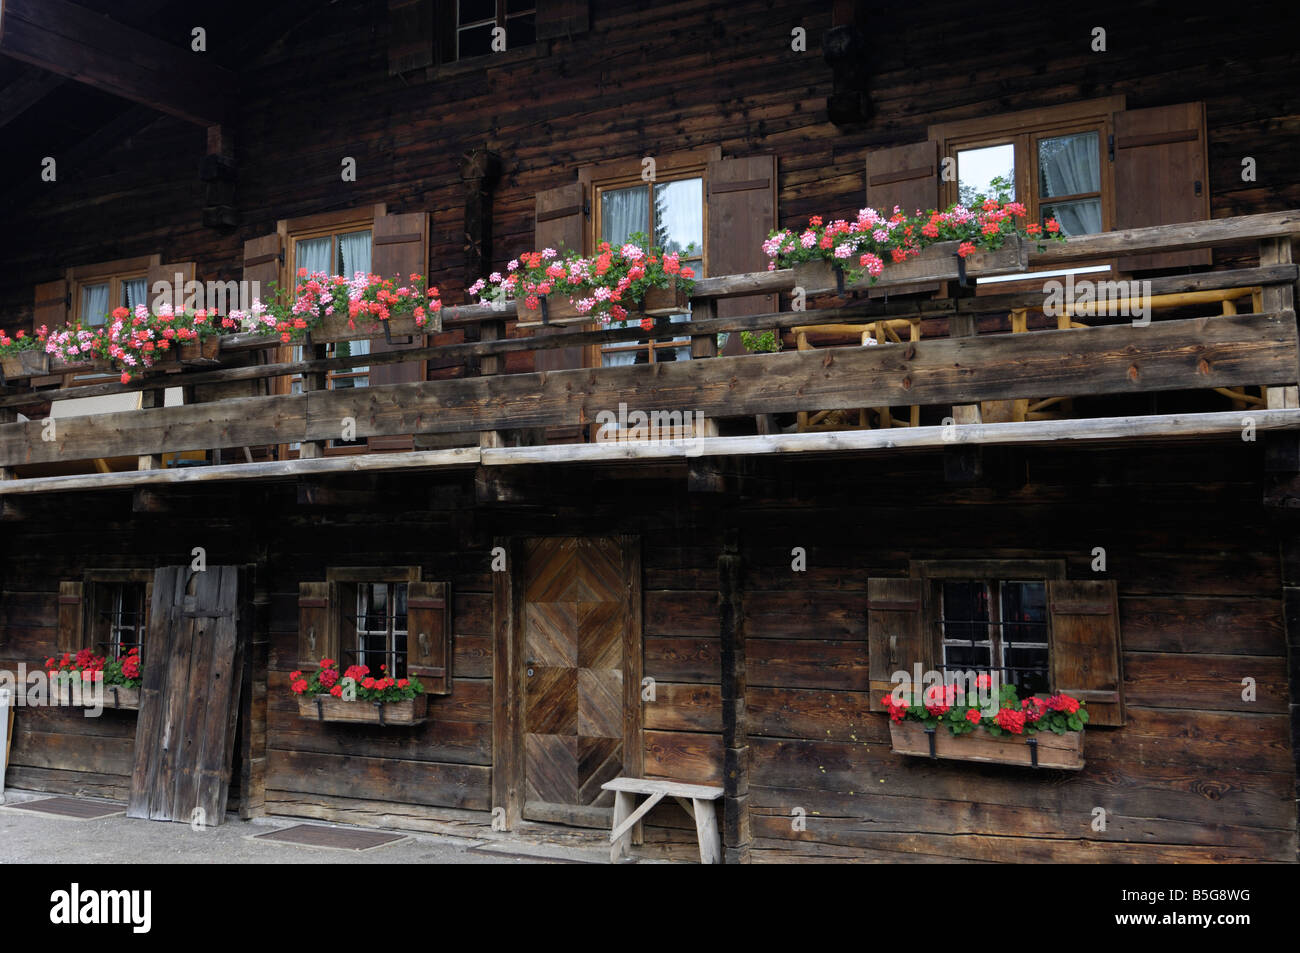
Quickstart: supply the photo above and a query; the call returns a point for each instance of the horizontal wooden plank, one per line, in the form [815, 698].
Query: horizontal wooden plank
[687, 756]
[446, 785]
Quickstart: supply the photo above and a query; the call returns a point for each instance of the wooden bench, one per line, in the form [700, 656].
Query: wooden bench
[696, 799]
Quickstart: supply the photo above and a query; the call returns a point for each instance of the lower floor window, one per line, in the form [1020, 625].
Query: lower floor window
[117, 618]
[1000, 626]
[374, 626]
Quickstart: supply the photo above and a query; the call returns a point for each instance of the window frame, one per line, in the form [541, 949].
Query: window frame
[625, 173]
[937, 572]
[344, 580]
[1023, 129]
[92, 581]
[111, 272]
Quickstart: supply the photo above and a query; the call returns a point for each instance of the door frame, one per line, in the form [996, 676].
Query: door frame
[508, 672]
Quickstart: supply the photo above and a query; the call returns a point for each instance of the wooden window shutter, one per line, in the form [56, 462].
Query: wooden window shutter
[1161, 176]
[316, 632]
[72, 617]
[741, 200]
[51, 307]
[400, 249]
[262, 260]
[410, 35]
[428, 639]
[906, 176]
[1085, 646]
[896, 633]
[560, 223]
[168, 273]
[557, 18]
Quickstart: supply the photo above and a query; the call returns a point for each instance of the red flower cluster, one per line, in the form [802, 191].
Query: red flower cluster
[89, 667]
[1011, 720]
[1063, 703]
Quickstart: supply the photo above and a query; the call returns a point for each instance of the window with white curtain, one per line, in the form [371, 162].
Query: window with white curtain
[337, 253]
[671, 213]
[98, 296]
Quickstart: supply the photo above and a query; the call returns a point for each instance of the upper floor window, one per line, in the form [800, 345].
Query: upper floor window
[1053, 160]
[477, 21]
[670, 211]
[96, 296]
[339, 251]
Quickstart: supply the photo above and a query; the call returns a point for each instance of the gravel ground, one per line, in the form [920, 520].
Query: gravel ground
[28, 837]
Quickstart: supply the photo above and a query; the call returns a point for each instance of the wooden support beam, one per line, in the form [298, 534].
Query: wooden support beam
[25, 92]
[93, 49]
[1103, 431]
[1198, 353]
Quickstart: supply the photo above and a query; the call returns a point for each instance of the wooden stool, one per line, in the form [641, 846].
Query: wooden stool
[695, 799]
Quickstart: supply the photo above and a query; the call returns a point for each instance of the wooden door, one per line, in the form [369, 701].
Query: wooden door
[189, 702]
[576, 705]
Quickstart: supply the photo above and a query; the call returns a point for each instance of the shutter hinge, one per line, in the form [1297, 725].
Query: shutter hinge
[586, 209]
[1198, 186]
[1110, 146]
[279, 256]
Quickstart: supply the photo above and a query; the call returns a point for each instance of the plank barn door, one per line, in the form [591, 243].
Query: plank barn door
[184, 737]
[580, 693]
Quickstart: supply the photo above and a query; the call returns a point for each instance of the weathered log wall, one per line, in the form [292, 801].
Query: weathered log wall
[1198, 773]
[645, 80]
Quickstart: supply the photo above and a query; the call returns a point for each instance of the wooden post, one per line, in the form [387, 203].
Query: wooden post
[479, 170]
[253, 703]
[315, 381]
[1278, 251]
[1290, 559]
[8, 415]
[737, 836]
[155, 397]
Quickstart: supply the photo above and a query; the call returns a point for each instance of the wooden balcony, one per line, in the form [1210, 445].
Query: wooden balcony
[497, 416]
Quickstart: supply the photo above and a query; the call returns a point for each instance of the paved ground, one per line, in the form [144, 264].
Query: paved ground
[28, 837]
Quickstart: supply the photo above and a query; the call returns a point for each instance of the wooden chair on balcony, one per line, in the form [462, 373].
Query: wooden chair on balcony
[811, 337]
[1056, 408]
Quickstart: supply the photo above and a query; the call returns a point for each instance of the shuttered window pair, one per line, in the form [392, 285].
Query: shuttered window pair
[1089, 164]
[398, 621]
[369, 240]
[739, 211]
[906, 628]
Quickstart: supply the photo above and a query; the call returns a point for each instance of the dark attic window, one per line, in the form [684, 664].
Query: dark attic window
[476, 21]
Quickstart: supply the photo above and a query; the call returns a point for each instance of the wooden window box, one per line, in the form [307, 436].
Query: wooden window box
[935, 263]
[115, 696]
[1053, 750]
[413, 711]
[25, 364]
[559, 310]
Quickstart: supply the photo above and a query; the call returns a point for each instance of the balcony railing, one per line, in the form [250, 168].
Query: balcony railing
[499, 413]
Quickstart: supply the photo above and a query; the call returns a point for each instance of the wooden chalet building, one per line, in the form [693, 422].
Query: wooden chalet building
[725, 609]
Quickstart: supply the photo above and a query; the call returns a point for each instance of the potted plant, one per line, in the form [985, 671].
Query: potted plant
[1036, 732]
[20, 356]
[356, 696]
[78, 679]
[548, 287]
[988, 238]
